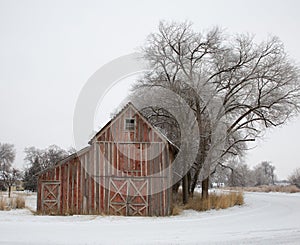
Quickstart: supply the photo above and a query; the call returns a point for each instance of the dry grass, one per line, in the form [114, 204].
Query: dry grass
[215, 201]
[177, 209]
[17, 202]
[3, 203]
[269, 188]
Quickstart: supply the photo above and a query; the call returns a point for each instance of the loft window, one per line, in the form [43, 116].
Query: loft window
[129, 124]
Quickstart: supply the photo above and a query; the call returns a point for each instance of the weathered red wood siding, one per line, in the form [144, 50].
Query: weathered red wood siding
[68, 173]
[115, 153]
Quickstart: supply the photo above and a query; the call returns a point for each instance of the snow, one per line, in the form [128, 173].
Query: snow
[266, 218]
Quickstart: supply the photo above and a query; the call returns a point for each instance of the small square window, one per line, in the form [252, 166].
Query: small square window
[129, 124]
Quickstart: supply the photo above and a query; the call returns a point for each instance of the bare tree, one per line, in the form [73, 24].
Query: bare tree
[256, 84]
[10, 178]
[40, 159]
[264, 173]
[8, 175]
[294, 178]
[167, 113]
[7, 156]
[240, 175]
[46, 157]
[221, 174]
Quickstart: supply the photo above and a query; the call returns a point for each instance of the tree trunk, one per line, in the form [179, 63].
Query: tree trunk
[185, 189]
[205, 186]
[9, 191]
[175, 188]
[194, 181]
[189, 177]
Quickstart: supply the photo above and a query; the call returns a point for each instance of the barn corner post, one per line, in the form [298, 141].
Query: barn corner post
[38, 200]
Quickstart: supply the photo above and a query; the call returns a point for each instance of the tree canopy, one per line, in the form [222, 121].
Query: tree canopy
[227, 80]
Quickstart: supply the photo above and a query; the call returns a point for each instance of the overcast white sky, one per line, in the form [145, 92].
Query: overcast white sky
[49, 49]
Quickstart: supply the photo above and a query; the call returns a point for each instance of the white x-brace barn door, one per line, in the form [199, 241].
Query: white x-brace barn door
[128, 196]
[50, 197]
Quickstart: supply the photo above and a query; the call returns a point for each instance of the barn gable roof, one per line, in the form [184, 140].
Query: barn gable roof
[127, 106]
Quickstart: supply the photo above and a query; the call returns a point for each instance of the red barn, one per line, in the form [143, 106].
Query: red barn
[125, 170]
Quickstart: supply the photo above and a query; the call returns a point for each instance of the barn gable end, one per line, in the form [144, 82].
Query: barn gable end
[117, 129]
[120, 173]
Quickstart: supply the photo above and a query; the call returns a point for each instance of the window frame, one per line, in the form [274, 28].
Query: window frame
[131, 123]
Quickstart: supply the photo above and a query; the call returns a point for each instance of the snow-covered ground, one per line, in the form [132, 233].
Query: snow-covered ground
[266, 218]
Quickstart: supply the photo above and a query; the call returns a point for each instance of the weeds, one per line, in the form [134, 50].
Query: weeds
[176, 209]
[215, 201]
[17, 202]
[3, 203]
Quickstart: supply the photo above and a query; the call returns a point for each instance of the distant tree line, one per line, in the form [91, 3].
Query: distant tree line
[237, 174]
[36, 160]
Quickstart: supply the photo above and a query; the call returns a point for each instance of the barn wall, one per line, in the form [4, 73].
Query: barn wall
[114, 154]
[69, 174]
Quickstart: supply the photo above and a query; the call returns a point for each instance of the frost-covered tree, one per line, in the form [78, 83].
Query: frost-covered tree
[7, 156]
[256, 85]
[221, 174]
[294, 178]
[9, 176]
[38, 160]
[264, 174]
[240, 175]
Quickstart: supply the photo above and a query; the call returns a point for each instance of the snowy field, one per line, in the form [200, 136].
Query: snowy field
[266, 218]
